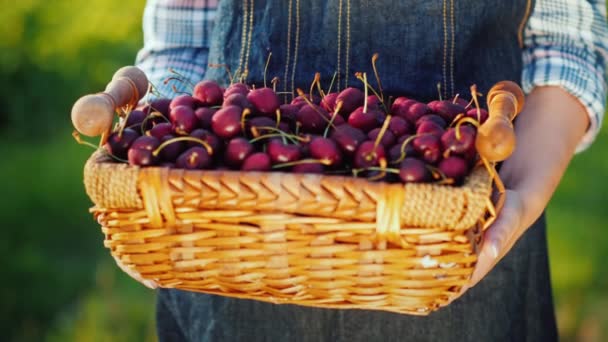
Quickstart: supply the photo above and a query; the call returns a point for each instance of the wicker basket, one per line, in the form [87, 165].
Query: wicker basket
[315, 240]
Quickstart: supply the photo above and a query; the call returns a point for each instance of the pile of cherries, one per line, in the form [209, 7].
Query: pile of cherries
[240, 128]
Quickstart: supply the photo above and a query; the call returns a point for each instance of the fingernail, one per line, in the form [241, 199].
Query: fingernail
[494, 249]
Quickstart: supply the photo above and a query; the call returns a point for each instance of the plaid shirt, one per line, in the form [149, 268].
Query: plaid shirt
[565, 44]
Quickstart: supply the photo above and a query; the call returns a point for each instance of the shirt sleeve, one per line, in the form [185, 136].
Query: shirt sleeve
[176, 37]
[565, 44]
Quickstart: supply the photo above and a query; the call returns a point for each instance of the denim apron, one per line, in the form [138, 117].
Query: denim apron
[421, 44]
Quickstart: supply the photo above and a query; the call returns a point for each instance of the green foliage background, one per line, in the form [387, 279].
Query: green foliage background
[60, 284]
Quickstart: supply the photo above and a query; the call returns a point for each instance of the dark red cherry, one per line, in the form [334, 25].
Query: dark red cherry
[208, 93]
[282, 153]
[118, 144]
[325, 149]
[264, 100]
[351, 99]
[183, 120]
[413, 170]
[194, 158]
[237, 150]
[257, 162]
[226, 122]
[348, 138]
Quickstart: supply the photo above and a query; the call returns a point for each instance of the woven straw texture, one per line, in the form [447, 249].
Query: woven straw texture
[316, 240]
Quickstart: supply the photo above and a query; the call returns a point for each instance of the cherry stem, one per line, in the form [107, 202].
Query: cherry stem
[148, 117]
[274, 82]
[266, 67]
[331, 84]
[374, 59]
[360, 77]
[79, 140]
[244, 115]
[439, 91]
[404, 145]
[326, 162]
[438, 175]
[366, 93]
[455, 98]
[375, 168]
[315, 80]
[465, 120]
[387, 121]
[313, 106]
[226, 68]
[333, 117]
[382, 170]
[474, 95]
[171, 141]
[294, 138]
[181, 77]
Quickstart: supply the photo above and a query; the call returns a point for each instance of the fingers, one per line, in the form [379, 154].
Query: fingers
[499, 238]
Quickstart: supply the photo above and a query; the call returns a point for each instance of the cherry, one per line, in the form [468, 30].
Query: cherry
[394, 153]
[169, 153]
[429, 147]
[118, 144]
[160, 105]
[226, 122]
[135, 119]
[401, 105]
[236, 88]
[237, 150]
[446, 109]
[194, 158]
[459, 143]
[387, 140]
[348, 138]
[312, 118]
[183, 120]
[264, 100]
[399, 126]
[454, 167]
[208, 93]
[373, 101]
[238, 100]
[182, 100]
[306, 99]
[288, 112]
[329, 102]
[204, 115]
[366, 121]
[483, 114]
[160, 130]
[206, 136]
[259, 125]
[325, 149]
[368, 155]
[140, 152]
[416, 111]
[282, 153]
[460, 101]
[413, 170]
[429, 127]
[257, 162]
[434, 118]
[351, 98]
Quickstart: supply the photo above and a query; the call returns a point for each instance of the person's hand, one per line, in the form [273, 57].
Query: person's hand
[135, 275]
[548, 131]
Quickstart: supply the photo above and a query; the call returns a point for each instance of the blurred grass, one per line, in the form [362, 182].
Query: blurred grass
[60, 284]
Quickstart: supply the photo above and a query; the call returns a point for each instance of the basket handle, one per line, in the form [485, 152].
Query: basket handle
[496, 137]
[93, 114]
